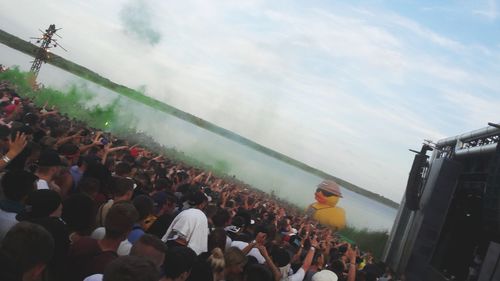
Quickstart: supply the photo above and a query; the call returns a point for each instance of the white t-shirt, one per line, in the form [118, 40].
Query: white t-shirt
[298, 276]
[253, 252]
[42, 184]
[192, 224]
[95, 277]
[7, 221]
[228, 242]
[125, 245]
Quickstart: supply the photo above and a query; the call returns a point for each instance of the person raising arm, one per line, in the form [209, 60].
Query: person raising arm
[15, 147]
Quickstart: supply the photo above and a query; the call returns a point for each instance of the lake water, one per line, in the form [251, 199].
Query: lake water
[253, 167]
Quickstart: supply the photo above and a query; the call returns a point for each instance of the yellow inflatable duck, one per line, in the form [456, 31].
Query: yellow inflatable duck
[324, 210]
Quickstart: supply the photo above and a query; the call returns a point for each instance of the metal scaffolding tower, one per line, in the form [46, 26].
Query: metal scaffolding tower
[43, 52]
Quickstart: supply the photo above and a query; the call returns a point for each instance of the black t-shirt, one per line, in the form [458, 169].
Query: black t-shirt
[86, 258]
[160, 226]
[372, 272]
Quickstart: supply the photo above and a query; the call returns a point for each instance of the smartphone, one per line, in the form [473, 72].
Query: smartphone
[297, 241]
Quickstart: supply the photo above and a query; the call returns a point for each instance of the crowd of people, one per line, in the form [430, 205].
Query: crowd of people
[81, 204]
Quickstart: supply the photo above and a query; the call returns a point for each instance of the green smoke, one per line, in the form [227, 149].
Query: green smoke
[136, 18]
[77, 102]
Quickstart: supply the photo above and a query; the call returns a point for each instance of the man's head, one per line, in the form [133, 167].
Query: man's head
[222, 218]
[89, 186]
[42, 203]
[23, 129]
[318, 259]
[235, 260]
[237, 225]
[71, 152]
[268, 229]
[123, 169]
[119, 220]
[338, 267]
[151, 247]
[163, 184]
[97, 150]
[18, 184]
[198, 199]
[165, 202]
[281, 257]
[144, 205]
[79, 213]
[25, 251]
[217, 239]
[49, 163]
[178, 263]
[131, 268]
[122, 188]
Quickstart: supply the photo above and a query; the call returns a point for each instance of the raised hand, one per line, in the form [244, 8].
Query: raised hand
[16, 146]
[262, 249]
[109, 149]
[351, 254]
[97, 139]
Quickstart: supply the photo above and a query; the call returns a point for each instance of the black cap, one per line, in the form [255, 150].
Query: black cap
[30, 119]
[245, 215]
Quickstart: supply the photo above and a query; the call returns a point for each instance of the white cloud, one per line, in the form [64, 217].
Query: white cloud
[490, 11]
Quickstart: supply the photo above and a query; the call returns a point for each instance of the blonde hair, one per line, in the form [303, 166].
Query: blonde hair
[216, 260]
[234, 256]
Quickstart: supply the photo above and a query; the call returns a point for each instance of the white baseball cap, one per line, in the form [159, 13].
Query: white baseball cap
[325, 275]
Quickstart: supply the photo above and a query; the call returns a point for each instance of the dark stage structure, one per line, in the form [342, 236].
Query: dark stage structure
[448, 224]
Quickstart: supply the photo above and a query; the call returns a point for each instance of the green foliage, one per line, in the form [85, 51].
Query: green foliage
[368, 240]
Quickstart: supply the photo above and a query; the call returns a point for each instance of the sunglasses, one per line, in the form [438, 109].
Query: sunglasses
[326, 193]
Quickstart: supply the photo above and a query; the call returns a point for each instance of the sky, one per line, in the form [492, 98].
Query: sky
[346, 87]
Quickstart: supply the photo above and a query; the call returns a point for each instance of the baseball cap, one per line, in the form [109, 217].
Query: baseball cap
[325, 275]
[330, 186]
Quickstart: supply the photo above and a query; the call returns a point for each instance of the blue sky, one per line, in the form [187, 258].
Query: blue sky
[346, 87]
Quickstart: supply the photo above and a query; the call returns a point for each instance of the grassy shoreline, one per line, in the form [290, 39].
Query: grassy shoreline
[29, 49]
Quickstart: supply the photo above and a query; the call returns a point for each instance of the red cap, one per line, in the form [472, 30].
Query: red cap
[134, 152]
